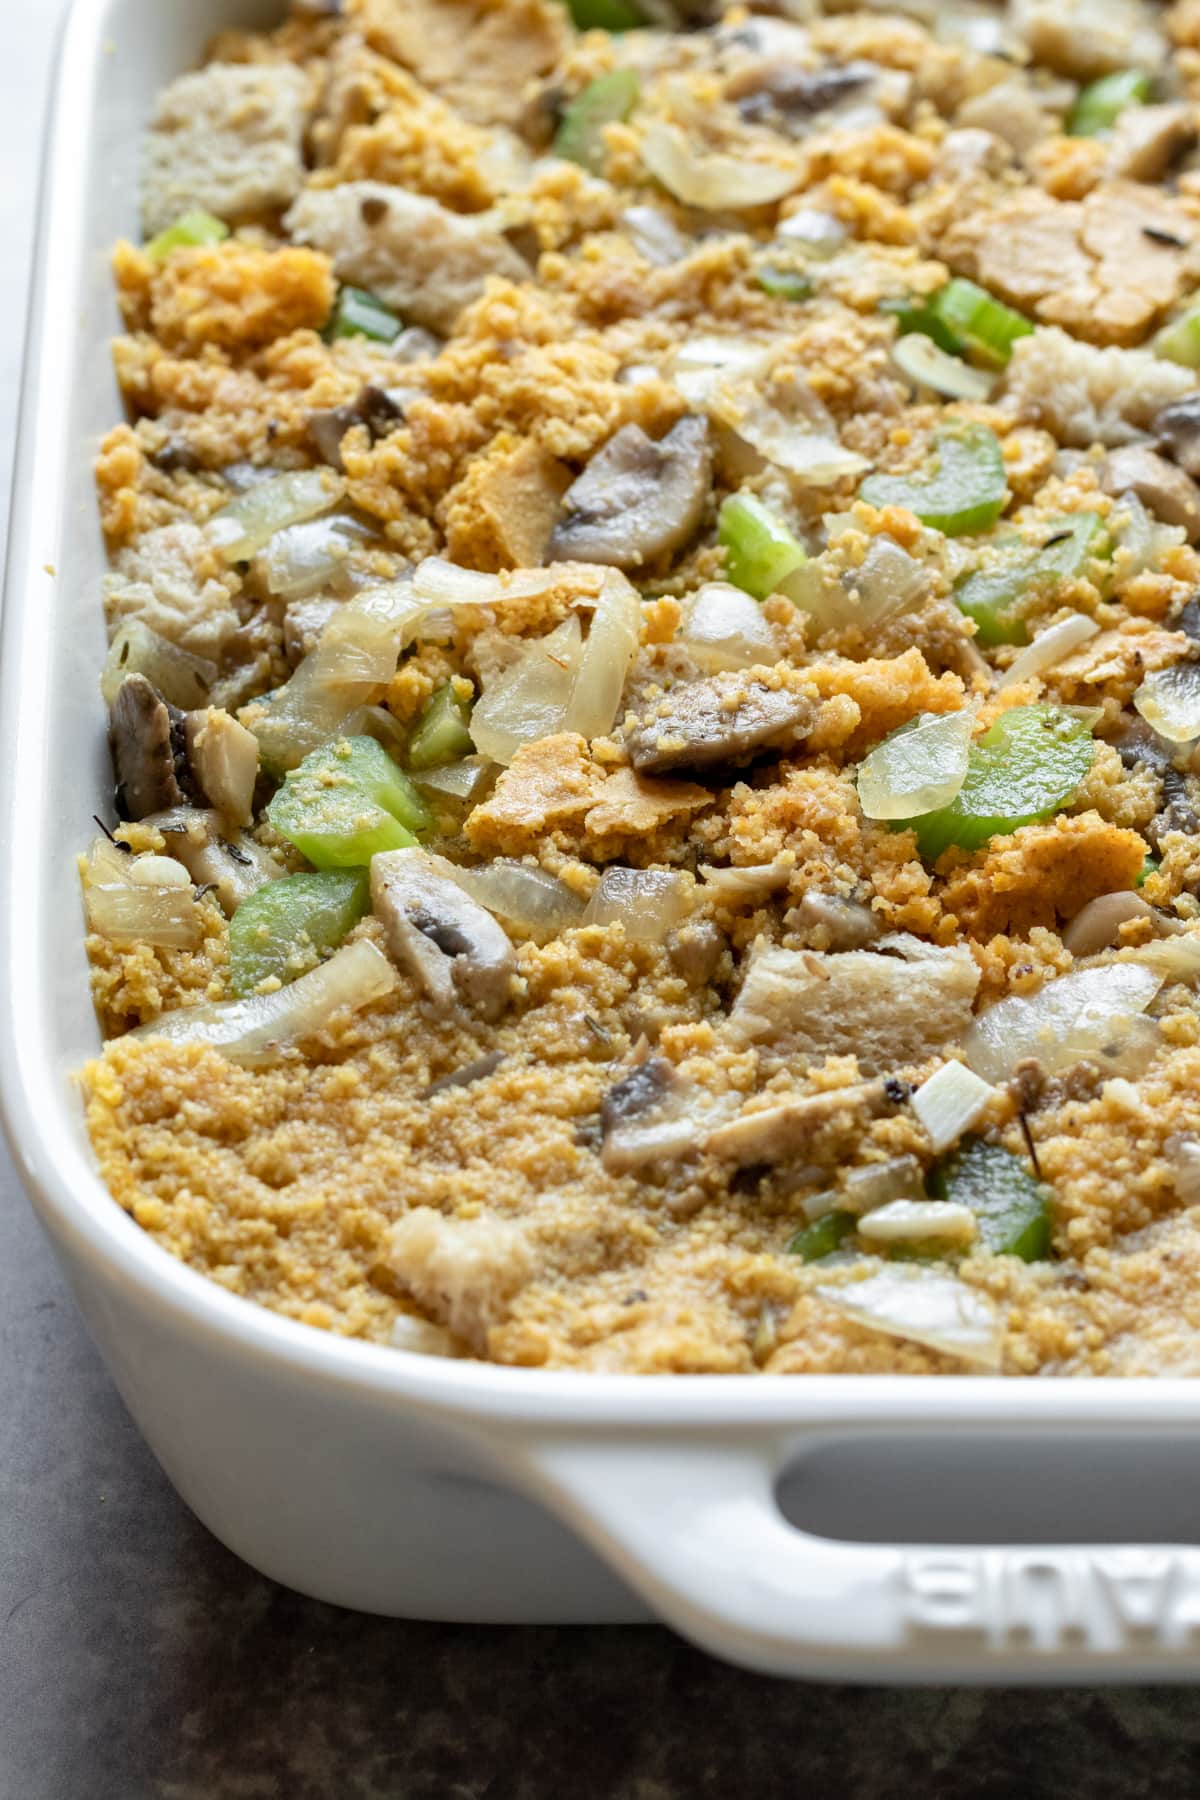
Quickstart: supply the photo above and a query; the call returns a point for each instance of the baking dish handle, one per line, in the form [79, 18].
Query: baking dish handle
[695, 1528]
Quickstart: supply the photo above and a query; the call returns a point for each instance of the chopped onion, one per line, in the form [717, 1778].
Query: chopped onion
[420, 1336]
[1171, 958]
[518, 894]
[139, 900]
[917, 769]
[463, 780]
[1169, 700]
[877, 1184]
[724, 628]
[1183, 1157]
[379, 723]
[815, 457]
[820, 233]
[611, 646]
[713, 182]
[1087, 1014]
[241, 529]
[529, 699]
[901, 1221]
[887, 580]
[654, 233]
[949, 1103]
[926, 364]
[181, 678]
[1141, 539]
[1050, 647]
[234, 864]
[701, 364]
[911, 1300]
[437, 582]
[305, 558]
[647, 902]
[256, 1032]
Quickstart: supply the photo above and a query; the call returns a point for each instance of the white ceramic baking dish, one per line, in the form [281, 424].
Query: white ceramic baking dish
[448, 1490]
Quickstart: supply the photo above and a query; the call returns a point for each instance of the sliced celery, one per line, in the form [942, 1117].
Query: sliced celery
[917, 315]
[1102, 102]
[784, 284]
[605, 15]
[441, 734]
[995, 598]
[1011, 1207]
[188, 232]
[963, 491]
[981, 324]
[605, 101]
[1023, 769]
[346, 802]
[824, 1236]
[360, 314]
[1179, 339]
[281, 928]
[760, 551]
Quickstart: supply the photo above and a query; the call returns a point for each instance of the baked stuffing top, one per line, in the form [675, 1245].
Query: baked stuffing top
[655, 684]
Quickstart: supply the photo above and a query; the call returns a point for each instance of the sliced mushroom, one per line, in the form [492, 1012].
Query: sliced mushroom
[223, 757]
[1168, 491]
[775, 1133]
[636, 500]
[1177, 428]
[379, 409]
[1142, 748]
[848, 923]
[785, 94]
[148, 751]
[725, 719]
[456, 950]
[695, 949]
[1097, 925]
[652, 1115]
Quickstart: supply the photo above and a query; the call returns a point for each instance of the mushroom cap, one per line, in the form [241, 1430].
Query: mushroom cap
[637, 500]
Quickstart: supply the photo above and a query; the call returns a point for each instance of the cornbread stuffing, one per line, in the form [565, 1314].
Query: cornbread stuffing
[654, 685]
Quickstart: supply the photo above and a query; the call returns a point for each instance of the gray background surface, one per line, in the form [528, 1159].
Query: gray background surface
[140, 1661]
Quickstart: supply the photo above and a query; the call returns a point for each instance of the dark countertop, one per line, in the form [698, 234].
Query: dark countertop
[141, 1661]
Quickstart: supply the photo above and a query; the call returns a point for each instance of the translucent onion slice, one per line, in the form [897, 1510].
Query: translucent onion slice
[1171, 958]
[1085, 1014]
[716, 182]
[310, 557]
[1169, 700]
[604, 664]
[139, 900]
[655, 234]
[465, 780]
[1049, 648]
[724, 628]
[647, 902]
[529, 699]
[701, 364]
[437, 582]
[926, 364]
[918, 769]
[1141, 539]
[240, 529]
[181, 678]
[258, 1031]
[813, 456]
[886, 581]
[519, 895]
[949, 1103]
[926, 1305]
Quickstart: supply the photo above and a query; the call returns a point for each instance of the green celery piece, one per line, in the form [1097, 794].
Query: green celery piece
[1179, 339]
[982, 324]
[605, 101]
[916, 315]
[1023, 769]
[1151, 866]
[346, 802]
[823, 1236]
[760, 551]
[1012, 1208]
[1101, 102]
[784, 284]
[441, 734]
[276, 925]
[994, 597]
[360, 314]
[188, 232]
[964, 490]
[605, 15]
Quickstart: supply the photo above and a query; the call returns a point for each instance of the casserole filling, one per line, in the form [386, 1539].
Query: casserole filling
[654, 684]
